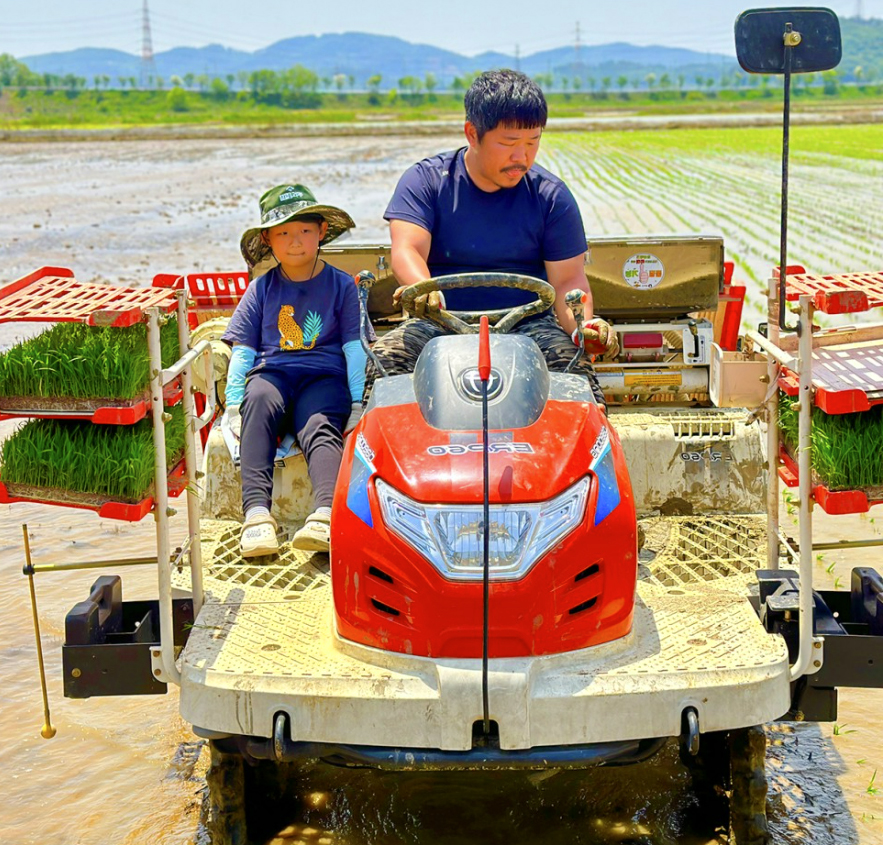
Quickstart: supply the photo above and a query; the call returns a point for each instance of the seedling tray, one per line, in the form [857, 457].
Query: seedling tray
[847, 378]
[843, 293]
[99, 411]
[834, 502]
[104, 507]
[53, 295]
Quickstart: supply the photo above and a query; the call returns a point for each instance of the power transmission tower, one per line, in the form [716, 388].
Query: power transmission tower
[858, 9]
[517, 57]
[148, 64]
[577, 46]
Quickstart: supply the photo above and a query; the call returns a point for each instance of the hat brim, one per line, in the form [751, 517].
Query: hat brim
[252, 245]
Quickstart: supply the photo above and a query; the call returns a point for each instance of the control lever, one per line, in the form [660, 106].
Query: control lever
[364, 282]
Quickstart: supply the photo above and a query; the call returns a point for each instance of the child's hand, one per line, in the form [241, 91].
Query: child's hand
[355, 416]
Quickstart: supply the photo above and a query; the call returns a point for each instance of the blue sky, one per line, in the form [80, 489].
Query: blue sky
[467, 26]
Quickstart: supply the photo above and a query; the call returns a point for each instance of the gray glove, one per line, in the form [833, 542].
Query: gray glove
[235, 419]
[355, 416]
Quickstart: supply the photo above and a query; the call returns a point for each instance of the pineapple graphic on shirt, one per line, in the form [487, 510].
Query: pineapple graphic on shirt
[292, 336]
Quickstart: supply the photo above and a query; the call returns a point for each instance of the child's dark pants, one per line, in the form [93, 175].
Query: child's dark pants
[315, 408]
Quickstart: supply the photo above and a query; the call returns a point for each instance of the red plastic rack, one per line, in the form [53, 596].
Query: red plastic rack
[53, 295]
[834, 502]
[124, 511]
[217, 293]
[842, 293]
[122, 414]
[845, 381]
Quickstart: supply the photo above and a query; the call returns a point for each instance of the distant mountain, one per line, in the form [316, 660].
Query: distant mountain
[361, 55]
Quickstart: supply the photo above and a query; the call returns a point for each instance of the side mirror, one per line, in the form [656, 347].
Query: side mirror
[814, 37]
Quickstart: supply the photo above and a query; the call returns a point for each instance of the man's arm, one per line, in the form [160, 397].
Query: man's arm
[410, 251]
[566, 276]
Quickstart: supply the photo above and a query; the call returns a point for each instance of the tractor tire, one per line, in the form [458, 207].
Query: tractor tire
[223, 811]
[729, 771]
[748, 787]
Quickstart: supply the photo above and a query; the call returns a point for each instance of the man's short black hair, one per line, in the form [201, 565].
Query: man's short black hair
[506, 97]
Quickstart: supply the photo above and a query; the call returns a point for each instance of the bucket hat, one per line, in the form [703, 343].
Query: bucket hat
[284, 203]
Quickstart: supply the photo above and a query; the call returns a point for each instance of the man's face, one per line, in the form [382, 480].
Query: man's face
[504, 154]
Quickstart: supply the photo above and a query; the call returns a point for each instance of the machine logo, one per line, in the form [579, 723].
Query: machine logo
[470, 381]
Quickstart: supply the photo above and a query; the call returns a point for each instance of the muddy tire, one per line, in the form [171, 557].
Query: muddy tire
[729, 771]
[223, 812]
[748, 787]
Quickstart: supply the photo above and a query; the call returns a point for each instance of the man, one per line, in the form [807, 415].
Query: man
[488, 207]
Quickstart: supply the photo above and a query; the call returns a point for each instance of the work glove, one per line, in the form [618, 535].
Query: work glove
[235, 419]
[424, 306]
[355, 416]
[598, 337]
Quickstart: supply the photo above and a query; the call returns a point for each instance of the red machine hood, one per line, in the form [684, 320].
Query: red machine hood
[530, 464]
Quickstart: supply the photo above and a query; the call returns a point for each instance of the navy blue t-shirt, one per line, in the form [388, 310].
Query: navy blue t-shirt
[512, 230]
[302, 325]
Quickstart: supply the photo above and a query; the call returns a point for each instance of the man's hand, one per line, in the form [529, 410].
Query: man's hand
[598, 338]
[355, 416]
[429, 303]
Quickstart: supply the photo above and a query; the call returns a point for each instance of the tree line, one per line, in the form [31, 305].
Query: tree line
[300, 87]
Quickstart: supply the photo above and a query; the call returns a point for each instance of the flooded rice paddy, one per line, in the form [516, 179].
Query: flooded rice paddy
[127, 771]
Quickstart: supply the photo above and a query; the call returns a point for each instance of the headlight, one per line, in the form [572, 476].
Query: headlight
[450, 537]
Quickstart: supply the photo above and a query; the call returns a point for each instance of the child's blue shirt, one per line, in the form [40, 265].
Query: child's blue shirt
[301, 325]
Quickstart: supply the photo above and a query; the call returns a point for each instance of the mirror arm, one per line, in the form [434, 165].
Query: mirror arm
[790, 39]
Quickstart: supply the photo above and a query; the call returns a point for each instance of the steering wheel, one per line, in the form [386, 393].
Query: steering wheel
[465, 322]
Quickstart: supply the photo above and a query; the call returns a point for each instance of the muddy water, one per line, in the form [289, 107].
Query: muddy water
[124, 771]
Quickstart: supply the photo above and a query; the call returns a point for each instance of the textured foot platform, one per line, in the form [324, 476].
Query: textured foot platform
[265, 643]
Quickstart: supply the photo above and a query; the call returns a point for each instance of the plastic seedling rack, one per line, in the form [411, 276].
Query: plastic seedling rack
[106, 509]
[54, 295]
[208, 294]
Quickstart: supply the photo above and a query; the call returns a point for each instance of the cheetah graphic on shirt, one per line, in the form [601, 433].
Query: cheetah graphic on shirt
[291, 336]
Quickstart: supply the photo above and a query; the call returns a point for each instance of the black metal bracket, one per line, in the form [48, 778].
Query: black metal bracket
[107, 642]
[851, 623]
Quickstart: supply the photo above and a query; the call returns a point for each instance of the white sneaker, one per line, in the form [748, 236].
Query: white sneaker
[315, 536]
[259, 537]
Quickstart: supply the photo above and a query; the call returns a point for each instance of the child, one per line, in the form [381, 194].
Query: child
[297, 362]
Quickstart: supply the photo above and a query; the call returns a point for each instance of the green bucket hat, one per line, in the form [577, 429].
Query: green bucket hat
[284, 203]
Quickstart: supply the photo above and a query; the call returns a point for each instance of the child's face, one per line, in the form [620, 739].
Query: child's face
[296, 244]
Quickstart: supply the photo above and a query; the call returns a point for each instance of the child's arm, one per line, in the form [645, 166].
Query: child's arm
[241, 361]
[355, 369]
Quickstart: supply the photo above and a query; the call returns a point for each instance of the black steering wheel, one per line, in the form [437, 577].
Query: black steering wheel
[466, 322]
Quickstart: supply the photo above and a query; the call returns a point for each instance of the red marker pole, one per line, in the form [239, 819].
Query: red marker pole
[484, 373]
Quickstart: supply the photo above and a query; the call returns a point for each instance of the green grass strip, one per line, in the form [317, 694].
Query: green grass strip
[847, 449]
[72, 360]
[104, 460]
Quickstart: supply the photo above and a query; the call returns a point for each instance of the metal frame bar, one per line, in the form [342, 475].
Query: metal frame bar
[191, 449]
[804, 468]
[165, 666]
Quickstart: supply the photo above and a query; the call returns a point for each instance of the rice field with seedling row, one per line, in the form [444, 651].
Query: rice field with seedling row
[847, 449]
[108, 461]
[727, 181]
[76, 361]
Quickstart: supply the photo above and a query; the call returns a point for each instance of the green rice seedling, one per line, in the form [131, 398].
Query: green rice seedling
[846, 451]
[115, 462]
[840, 730]
[873, 790]
[76, 361]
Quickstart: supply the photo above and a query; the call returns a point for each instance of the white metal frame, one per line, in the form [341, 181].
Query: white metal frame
[163, 659]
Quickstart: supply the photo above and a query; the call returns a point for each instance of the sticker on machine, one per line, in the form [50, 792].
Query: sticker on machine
[666, 379]
[643, 271]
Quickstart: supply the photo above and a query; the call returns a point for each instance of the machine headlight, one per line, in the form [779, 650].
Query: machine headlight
[450, 537]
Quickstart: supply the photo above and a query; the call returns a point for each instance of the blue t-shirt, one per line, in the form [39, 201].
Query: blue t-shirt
[512, 230]
[302, 325]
